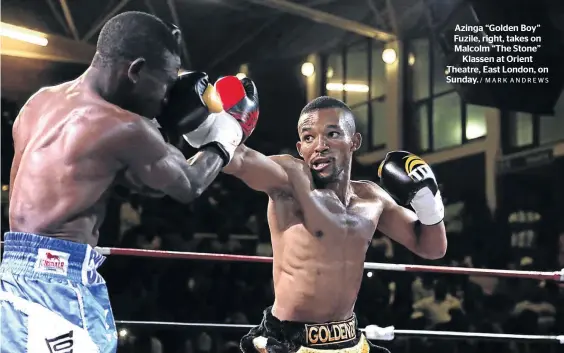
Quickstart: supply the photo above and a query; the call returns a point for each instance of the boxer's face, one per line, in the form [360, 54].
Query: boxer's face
[327, 141]
[151, 84]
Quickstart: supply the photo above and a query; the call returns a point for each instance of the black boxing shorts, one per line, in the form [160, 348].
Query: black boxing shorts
[275, 336]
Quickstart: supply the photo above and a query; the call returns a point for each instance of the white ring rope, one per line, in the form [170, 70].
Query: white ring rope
[374, 332]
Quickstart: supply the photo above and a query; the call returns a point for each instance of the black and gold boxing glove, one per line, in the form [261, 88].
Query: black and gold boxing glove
[410, 180]
[189, 102]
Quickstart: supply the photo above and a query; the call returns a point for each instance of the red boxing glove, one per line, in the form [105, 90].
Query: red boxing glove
[240, 100]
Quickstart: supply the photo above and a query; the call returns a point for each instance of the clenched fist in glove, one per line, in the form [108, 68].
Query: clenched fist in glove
[231, 127]
[188, 104]
[411, 181]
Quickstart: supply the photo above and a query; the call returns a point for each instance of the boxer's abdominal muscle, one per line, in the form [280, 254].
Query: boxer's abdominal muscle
[317, 277]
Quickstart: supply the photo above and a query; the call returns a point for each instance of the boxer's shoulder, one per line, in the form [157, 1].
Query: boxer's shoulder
[118, 119]
[289, 162]
[284, 159]
[44, 95]
[368, 190]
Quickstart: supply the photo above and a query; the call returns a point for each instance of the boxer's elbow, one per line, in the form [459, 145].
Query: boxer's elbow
[433, 254]
[185, 190]
[187, 197]
[195, 190]
[432, 242]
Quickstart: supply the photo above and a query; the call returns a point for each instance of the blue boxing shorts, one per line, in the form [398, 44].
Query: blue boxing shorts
[52, 298]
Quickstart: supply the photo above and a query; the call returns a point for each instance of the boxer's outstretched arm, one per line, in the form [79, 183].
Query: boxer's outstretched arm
[282, 173]
[259, 172]
[161, 166]
[402, 225]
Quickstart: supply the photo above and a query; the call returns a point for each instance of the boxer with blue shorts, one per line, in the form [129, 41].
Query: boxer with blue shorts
[52, 298]
[72, 144]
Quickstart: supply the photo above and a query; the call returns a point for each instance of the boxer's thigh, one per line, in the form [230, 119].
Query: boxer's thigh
[13, 327]
[33, 328]
[99, 317]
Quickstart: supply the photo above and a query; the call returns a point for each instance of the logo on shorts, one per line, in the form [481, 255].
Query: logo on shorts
[92, 275]
[51, 261]
[60, 344]
[331, 333]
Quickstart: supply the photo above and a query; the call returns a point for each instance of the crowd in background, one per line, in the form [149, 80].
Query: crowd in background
[220, 292]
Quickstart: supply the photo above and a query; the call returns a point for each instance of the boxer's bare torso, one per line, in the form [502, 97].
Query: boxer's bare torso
[64, 163]
[321, 222]
[71, 146]
[317, 276]
[319, 241]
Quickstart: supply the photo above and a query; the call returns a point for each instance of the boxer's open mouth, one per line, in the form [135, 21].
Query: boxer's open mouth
[320, 163]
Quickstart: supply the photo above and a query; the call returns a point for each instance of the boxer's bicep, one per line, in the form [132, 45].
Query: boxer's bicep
[398, 223]
[403, 226]
[259, 172]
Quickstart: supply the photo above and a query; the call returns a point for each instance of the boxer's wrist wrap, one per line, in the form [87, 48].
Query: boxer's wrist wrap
[428, 207]
[216, 149]
[196, 137]
[220, 129]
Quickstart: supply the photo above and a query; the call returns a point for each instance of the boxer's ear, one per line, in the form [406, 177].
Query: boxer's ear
[299, 148]
[135, 68]
[356, 141]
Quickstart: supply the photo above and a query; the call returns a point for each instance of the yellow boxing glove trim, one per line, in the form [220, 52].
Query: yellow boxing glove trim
[211, 100]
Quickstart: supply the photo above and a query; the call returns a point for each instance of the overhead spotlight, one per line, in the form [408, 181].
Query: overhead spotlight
[240, 75]
[349, 87]
[330, 72]
[369, 274]
[308, 69]
[411, 59]
[5, 188]
[389, 56]
[122, 333]
[23, 34]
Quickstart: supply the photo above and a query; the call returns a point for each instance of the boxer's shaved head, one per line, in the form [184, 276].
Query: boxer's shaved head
[138, 57]
[325, 102]
[132, 35]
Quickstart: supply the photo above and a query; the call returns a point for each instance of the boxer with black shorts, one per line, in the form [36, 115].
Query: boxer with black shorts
[72, 143]
[321, 225]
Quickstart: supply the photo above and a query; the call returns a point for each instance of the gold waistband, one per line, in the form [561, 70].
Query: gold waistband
[331, 332]
[361, 347]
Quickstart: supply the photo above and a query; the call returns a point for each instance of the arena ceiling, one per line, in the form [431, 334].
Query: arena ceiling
[219, 35]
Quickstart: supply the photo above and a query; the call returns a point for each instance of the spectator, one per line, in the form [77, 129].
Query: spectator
[422, 287]
[544, 311]
[436, 309]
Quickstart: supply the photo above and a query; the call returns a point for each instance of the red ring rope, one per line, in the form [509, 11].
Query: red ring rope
[539, 275]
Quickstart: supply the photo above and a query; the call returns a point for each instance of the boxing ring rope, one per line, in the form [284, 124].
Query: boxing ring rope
[538, 275]
[374, 332]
